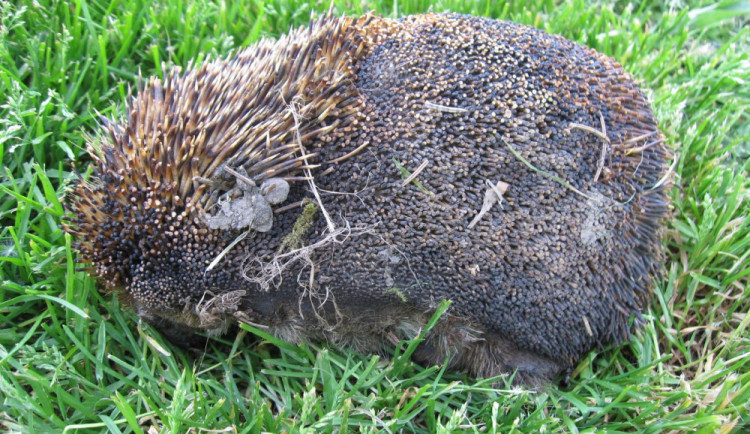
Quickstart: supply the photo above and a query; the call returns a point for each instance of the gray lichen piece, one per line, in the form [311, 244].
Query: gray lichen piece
[592, 229]
[275, 190]
[249, 211]
[263, 218]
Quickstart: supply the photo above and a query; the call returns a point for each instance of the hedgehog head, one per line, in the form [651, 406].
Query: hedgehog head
[139, 230]
[154, 213]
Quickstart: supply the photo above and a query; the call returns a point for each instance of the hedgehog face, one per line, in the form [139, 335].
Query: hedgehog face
[154, 253]
[175, 276]
[137, 239]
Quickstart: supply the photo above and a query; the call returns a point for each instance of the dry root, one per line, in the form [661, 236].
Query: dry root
[269, 272]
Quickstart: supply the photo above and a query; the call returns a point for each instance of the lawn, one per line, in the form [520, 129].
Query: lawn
[70, 359]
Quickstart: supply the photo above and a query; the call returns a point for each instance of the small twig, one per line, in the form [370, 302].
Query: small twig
[499, 189]
[644, 147]
[556, 178]
[327, 171]
[444, 108]
[494, 194]
[226, 250]
[405, 174]
[588, 327]
[600, 164]
[641, 137]
[349, 155]
[588, 129]
[603, 155]
[602, 135]
[667, 175]
[605, 146]
[416, 173]
[239, 176]
[288, 207]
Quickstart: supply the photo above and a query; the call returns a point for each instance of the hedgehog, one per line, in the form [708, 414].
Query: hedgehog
[339, 183]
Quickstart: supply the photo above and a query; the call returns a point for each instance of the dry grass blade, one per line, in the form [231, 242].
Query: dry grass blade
[555, 178]
[444, 108]
[311, 182]
[405, 174]
[414, 174]
[588, 129]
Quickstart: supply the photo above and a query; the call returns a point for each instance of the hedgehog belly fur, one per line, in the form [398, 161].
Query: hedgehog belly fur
[340, 182]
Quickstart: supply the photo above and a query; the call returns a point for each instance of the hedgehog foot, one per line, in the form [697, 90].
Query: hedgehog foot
[484, 354]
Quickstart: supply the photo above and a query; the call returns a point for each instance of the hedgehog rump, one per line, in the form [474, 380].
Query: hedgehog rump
[557, 263]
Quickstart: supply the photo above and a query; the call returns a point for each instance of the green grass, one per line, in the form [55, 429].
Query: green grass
[71, 359]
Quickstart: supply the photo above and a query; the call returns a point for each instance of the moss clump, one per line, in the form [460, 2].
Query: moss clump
[398, 292]
[294, 239]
